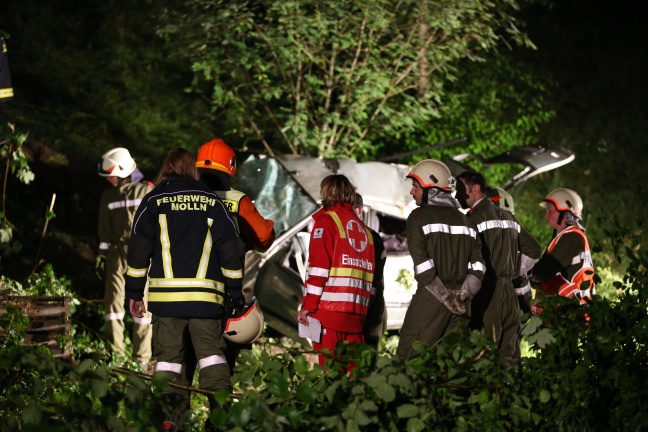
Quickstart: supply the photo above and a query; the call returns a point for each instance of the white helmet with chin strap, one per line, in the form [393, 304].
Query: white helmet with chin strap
[432, 173]
[245, 326]
[116, 162]
[565, 200]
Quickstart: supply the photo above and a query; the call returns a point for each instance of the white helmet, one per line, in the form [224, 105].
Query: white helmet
[502, 199]
[565, 200]
[116, 162]
[432, 173]
[246, 326]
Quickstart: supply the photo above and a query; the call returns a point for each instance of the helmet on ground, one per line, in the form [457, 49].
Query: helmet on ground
[217, 155]
[432, 173]
[245, 327]
[565, 200]
[502, 199]
[116, 162]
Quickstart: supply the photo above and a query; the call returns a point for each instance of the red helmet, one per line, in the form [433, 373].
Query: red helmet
[217, 155]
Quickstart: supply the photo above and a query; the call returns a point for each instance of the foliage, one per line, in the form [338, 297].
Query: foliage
[334, 77]
[15, 164]
[581, 375]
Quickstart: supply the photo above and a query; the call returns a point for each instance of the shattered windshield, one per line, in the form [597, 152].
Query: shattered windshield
[274, 192]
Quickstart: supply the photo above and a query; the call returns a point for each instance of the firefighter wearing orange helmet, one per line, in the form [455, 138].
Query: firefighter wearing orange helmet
[216, 164]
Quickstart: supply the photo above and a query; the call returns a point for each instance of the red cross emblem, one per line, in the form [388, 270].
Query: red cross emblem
[357, 235]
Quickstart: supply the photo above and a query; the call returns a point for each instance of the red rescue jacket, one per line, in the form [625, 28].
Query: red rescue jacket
[340, 270]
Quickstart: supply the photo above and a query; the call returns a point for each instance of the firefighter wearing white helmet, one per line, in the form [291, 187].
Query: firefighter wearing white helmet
[446, 281]
[117, 207]
[566, 269]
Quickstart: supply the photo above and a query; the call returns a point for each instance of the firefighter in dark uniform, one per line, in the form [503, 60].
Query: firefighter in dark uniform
[6, 90]
[528, 253]
[495, 308]
[446, 250]
[566, 268]
[216, 164]
[117, 208]
[183, 231]
[376, 320]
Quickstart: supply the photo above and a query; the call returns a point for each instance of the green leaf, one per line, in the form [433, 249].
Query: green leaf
[415, 424]
[31, 413]
[278, 385]
[545, 396]
[99, 388]
[407, 410]
[301, 365]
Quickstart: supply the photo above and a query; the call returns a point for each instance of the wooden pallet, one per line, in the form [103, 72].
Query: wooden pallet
[49, 317]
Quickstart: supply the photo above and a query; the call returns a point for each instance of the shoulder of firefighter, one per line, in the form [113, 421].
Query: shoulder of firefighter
[116, 211]
[256, 231]
[499, 232]
[431, 233]
[184, 232]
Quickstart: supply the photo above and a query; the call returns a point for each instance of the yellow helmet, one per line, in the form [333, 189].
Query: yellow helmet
[432, 173]
[217, 155]
[565, 200]
[247, 326]
[502, 199]
[116, 162]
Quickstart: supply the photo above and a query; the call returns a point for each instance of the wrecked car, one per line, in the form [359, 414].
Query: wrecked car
[285, 189]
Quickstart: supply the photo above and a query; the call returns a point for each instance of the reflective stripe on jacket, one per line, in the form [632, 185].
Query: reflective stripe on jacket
[341, 268]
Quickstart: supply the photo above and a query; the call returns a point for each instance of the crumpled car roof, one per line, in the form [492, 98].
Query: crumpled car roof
[383, 186]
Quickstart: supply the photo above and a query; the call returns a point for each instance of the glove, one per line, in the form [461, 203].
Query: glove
[100, 267]
[525, 264]
[469, 289]
[449, 298]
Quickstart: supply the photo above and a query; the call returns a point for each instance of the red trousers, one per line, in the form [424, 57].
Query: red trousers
[330, 339]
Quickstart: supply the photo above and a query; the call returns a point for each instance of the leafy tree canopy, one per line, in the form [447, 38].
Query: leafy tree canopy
[335, 77]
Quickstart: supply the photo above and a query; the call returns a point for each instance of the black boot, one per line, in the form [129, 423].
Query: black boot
[214, 406]
[171, 402]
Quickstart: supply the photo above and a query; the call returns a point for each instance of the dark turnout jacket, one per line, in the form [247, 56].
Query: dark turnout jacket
[183, 231]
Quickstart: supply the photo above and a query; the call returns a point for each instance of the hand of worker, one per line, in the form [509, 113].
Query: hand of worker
[137, 308]
[100, 267]
[302, 316]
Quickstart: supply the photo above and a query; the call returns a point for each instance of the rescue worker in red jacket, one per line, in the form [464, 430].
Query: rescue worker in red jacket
[116, 212]
[339, 282]
[566, 268]
[188, 247]
[446, 251]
